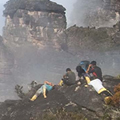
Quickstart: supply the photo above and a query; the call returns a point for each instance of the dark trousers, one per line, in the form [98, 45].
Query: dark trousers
[105, 94]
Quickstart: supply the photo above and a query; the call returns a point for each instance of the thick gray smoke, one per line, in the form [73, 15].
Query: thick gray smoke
[92, 13]
[49, 64]
[31, 63]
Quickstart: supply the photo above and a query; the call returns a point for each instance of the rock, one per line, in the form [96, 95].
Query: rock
[110, 80]
[46, 26]
[39, 5]
[81, 96]
[83, 40]
[26, 109]
[96, 13]
[32, 21]
[83, 100]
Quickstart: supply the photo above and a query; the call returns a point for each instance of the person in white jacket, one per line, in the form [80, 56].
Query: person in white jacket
[98, 86]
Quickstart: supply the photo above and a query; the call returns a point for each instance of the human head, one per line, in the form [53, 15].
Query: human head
[68, 70]
[80, 70]
[93, 63]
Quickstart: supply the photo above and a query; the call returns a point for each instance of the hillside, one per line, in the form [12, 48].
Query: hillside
[37, 46]
[64, 103]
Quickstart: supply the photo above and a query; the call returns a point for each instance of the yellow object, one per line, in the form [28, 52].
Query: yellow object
[101, 90]
[34, 98]
[61, 83]
[110, 92]
[86, 85]
[104, 89]
[44, 92]
[107, 100]
[87, 79]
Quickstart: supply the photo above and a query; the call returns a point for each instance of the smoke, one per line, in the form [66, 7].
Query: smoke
[93, 13]
[49, 64]
[69, 7]
[108, 61]
[33, 64]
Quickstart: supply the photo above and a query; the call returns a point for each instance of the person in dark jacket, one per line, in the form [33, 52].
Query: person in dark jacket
[94, 78]
[81, 74]
[69, 78]
[95, 70]
[80, 71]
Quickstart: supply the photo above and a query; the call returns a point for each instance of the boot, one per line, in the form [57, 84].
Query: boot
[87, 79]
[44, 92]
[61, 83]
[34, 98]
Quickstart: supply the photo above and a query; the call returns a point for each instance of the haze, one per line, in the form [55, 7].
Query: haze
[69, 8]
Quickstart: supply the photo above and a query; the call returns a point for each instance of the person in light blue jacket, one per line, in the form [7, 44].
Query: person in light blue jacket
[46, 87]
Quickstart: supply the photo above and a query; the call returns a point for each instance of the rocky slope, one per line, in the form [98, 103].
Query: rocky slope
[61, 102]
[41, 48]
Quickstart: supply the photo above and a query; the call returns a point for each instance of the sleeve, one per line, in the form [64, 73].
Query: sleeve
[91, 70]
[66, 75]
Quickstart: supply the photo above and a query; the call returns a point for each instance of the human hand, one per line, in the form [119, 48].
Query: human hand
[64, 76]
[90, 65]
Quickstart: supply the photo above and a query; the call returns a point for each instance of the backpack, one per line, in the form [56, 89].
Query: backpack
[84, 64]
